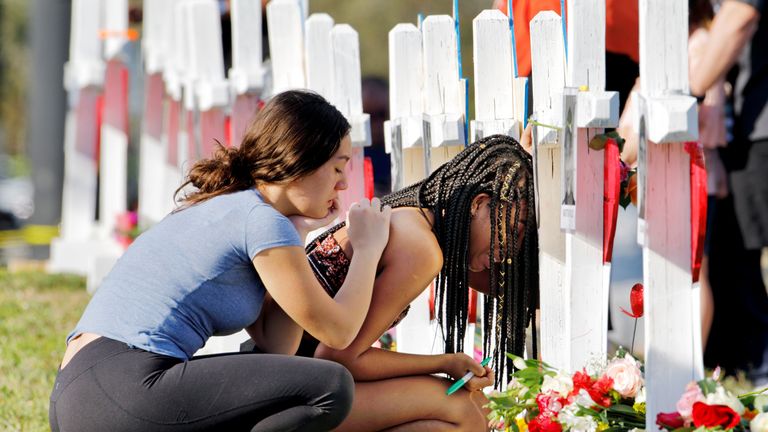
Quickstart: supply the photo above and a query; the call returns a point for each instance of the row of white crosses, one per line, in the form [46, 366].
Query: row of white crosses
[574, 282]
[95, 75]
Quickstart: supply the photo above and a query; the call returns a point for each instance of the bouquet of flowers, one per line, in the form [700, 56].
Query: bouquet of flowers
[707, 405]
[605, 395]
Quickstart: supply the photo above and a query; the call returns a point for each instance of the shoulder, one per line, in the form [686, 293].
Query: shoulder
[412, 243]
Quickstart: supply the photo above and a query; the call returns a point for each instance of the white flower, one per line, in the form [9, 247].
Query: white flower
[561, 384]
[626, 375]
[759, 423]
[761, 403]
[584, 399]
[722, 397]
[519, 363]
[640, 398]
[574, 422]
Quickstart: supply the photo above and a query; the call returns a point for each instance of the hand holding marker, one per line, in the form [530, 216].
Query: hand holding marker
[460, 383]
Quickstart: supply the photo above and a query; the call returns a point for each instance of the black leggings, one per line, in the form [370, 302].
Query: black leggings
[111, 386]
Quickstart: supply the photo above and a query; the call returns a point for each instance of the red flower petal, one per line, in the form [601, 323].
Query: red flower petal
[714, 415]
[636, 300]
[672, 420]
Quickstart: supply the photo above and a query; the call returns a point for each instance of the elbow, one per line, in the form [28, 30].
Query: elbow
[345, 358]
[340, 340]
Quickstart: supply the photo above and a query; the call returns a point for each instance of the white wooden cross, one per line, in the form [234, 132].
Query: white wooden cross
[113, 161]
[586, 277]
[83, 80]
[548, 70]
[113, 155]
[247, 75]
[666, 117]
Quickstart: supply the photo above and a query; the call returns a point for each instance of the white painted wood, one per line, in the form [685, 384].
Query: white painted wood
[174, 69]
[247, 73]
[286, 44]
[79, 194]
[83, 79]
[319, 55]
[115, 27]
[156, 15]
[548, 63]
[347, 90]
[444, 92]
[548, 66]
[584, 246]
[206, 60]
[402, 133]
[494, 90]
[85, 66]
[152, 153]
[672, 348]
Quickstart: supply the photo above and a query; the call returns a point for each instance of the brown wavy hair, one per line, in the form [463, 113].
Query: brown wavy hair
[295, 133]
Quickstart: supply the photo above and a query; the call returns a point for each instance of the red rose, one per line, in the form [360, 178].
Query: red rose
[714, 415]
[544, 424]
[635, 301]
[672, 420]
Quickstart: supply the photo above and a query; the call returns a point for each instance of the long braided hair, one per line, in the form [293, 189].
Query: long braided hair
[498, 166]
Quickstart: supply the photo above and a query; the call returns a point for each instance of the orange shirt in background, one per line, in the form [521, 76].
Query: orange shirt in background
[621, 31]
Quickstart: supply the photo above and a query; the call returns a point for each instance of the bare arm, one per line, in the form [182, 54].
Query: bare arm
[405, 274]
[734, 25]
[275, 332]
[288, 278]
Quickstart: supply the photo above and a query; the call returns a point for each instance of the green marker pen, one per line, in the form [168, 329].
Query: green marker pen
[460, 383]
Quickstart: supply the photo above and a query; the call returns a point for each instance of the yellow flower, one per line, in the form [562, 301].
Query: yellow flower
[602, 426]
[639, 407]
[522, 426]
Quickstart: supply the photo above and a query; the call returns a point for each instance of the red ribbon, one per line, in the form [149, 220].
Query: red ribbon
[611, 189]
[472, 313]
[368, 177]
[698, 206]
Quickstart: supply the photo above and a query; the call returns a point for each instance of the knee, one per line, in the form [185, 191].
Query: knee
[340, 391]
[469, 413]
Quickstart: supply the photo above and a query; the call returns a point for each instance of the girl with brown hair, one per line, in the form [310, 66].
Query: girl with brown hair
[230, 258]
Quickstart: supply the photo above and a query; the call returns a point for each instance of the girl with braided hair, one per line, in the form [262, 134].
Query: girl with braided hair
[471, 224]
[230, 258]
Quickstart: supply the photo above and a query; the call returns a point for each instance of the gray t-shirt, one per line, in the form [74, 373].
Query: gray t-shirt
[751, 86]
[189, 277]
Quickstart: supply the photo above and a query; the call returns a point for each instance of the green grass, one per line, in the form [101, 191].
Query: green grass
[36, 313]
